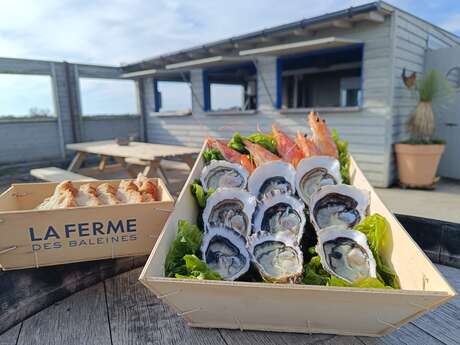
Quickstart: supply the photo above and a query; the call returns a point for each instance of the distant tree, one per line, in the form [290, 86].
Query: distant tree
[37, 112]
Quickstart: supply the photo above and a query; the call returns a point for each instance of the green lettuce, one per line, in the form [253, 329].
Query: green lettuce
[368, 282]
[314, 274]
[197, 269]
[377, 231]
[344, 157]
[212, 154]
[187, 242]
[265, 140]
[200, 195]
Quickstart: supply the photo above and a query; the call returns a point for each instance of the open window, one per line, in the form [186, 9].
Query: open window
[329, 79]
[231, 89]
[172, 97]
[26, 96]
[108, 97]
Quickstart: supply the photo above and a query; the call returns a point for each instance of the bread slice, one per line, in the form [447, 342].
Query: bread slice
[64, 196]
[107, 194]
[147, 188]
[87, 196]
[128, 193]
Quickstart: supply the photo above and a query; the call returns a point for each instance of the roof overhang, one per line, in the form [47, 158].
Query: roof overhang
[301, 47]
[207, 62]
[158, 74]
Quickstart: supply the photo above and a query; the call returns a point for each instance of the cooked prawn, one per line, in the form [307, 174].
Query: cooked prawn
[322, 135]
[259, 153]
[307, 145]
[231, 155]
[286, 147]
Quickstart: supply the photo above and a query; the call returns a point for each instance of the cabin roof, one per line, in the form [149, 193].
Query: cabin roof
[231, 47]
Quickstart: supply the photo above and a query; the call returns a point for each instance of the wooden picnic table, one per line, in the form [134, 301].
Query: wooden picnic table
[136, 153]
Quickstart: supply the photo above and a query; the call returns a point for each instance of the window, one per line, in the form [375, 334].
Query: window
[231, 88]
[108, 97]
[173, 97]
[227, 97]
[326, 78]
[26, 96]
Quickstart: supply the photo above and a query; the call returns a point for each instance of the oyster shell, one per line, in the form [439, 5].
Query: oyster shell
[224, 251]
[315, 172]
[281, 214]
[230, 208]
[277, 257]
[345, 253]
[220, 174]
[338, 205]
[272, 176]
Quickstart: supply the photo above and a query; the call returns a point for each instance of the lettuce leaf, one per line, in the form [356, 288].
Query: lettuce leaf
[368, 282]
[212, 154]
[266, 140]
[344, 157]
[197, 269]
[314, 274]
[200, 195]
[377, 231]
[187, 242]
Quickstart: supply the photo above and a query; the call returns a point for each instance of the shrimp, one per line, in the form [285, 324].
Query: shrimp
[322, 135]
[286, 147]
[247, 163]
[259, 153]
[228, 153]
[231, 155]
[307, 145]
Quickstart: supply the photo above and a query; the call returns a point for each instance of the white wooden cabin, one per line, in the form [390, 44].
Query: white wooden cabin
[347, 65]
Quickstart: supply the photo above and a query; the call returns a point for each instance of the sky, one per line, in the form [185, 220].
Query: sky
[123, 31]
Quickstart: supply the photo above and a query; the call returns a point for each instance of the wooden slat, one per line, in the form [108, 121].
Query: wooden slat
[10, 337]
[80, 319]
[144, 151]
[138, 317]
[268, 338]
[443, 323]
[25, 292]
[409, 334]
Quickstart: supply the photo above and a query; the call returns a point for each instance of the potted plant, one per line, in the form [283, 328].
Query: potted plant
[418, 157]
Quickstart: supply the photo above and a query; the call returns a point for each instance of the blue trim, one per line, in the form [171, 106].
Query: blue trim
[279, 84]
[156, 95]
[206, 92]
[361, 100]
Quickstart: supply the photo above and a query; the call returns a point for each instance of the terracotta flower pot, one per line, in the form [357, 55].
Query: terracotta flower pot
[417, 164]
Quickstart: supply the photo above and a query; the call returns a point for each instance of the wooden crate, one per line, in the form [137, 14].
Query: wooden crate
[300, 308]
[35, 238]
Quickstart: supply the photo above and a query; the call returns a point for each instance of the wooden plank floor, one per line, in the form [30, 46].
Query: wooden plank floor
[120, 311]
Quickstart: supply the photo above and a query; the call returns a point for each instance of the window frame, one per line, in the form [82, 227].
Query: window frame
[327, 109]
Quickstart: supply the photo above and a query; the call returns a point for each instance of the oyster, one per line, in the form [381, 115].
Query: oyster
[345, 253]
[338, 205]
[272, 176]
[230, 208]
[224, 251]
[277, 257]
[315, 172]
[219, 174]
[281, 214]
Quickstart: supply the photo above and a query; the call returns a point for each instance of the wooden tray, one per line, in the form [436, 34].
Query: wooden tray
[300, 308]
[35, 238]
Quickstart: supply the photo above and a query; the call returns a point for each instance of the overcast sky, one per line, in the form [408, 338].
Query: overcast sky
[123, 31]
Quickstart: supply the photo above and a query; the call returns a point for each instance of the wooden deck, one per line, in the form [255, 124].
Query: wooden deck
[120, 311]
